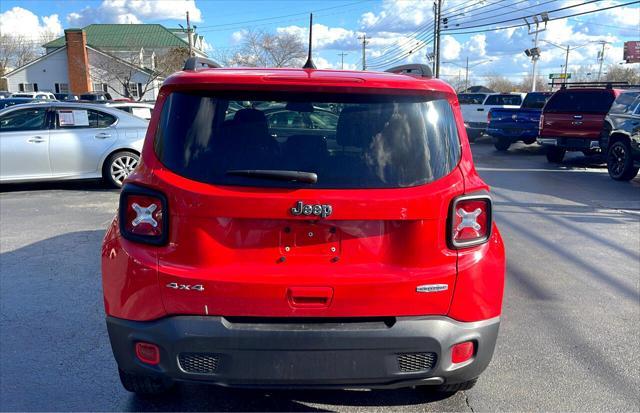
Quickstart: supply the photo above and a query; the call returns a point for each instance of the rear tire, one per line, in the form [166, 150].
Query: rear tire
[555, 154]
[144, 385]
[530, 141]
[620, 162]
[118, 166]
[472, 135]
[502, 144]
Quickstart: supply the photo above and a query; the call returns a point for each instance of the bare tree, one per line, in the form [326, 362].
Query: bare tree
[619, 73]
[132, 68]
[500, 83]
[15, 51]
[525, 84]
[262, 49]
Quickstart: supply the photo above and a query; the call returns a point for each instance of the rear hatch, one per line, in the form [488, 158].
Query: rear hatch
[290, 204]
[575, 113]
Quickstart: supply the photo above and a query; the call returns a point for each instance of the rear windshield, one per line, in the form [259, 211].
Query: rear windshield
[348, 141]
[596, 101]
[515, 100]
[471, 98]
[535, 100]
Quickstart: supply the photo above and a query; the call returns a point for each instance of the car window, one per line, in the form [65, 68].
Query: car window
[580, 102]
[286, 119]
[70, 118]
[141, 112]
[624, 103]
[515, 100]
[471, 98]
[323, 120]
[23, 120]
[535, 100]
[373, 141]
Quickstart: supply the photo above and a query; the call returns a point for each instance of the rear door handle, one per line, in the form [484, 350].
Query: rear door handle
[480, 110]
[103, 135]
[36, 139]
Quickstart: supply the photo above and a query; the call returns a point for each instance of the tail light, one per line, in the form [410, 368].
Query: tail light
[540, 123]
[489, 116]
[147, 353]
[470, 221]
[143, 215]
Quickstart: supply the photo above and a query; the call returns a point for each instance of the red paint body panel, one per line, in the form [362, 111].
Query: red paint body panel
[255, 259]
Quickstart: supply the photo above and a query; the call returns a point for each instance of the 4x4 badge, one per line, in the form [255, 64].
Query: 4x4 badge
[321, 210]
[189, 287]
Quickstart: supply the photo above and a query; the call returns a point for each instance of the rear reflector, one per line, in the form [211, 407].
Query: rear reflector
[470, 219]
[462, 352]
[148, 353]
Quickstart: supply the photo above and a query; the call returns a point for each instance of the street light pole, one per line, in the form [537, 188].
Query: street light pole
[566, 64]
[466, 76]
[601, 59]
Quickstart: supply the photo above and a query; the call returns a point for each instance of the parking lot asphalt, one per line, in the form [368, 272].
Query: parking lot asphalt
[570, 326]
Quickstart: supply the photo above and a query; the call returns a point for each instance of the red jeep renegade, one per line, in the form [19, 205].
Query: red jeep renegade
[303, 228]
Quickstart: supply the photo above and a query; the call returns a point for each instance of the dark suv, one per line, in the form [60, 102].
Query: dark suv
[620, 138]
[572, 120]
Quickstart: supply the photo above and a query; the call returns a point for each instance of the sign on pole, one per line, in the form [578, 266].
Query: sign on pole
[631, 52]
[559, 75]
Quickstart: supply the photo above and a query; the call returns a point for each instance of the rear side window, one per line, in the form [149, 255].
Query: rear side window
[535, 100]
[23, 120]
[349, 141]
[595, 101]
[68, 118]
[471, 98]
[625, 103]
[515, 100]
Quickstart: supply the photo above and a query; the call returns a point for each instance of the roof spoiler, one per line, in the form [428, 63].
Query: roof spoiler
[195, 63]
[412, 70]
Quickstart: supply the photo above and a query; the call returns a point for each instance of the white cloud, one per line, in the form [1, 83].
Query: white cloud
[450, 48]
[324, 37]
[135, 11]
[22, 22]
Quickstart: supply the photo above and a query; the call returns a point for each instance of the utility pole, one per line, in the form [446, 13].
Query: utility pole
[342, 55]
[466, 76]
[566, 64]
[189, 35]
[534, 52]
[601, 56]
[365, 42]
[435, 23]
[437, 37]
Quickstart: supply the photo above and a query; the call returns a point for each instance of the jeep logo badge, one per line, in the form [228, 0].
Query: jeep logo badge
[321, 210]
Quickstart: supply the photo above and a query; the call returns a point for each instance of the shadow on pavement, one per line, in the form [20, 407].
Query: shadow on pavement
[82, 185]
[199, 397]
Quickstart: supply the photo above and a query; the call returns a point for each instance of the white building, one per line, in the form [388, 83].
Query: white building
[103, 57]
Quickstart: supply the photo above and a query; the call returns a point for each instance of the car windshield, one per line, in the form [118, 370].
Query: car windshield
[580, 101]
[514, 100]
[471, 98]
[626, 102]
[346, 141]
[535, 100]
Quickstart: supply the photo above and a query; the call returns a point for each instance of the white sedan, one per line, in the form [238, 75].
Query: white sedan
[59, 141]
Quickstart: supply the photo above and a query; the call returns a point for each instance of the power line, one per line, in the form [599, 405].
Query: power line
[550, 19]
[473, 16]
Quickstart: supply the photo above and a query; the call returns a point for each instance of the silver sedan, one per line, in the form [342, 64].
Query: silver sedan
[58, 141]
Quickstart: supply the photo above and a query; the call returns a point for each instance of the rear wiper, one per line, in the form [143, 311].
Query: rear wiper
[291, 176]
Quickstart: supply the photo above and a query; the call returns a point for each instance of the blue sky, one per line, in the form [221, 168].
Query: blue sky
[394, 27]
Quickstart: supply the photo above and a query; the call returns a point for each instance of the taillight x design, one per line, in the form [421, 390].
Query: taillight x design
[470, 221]
[143, 215]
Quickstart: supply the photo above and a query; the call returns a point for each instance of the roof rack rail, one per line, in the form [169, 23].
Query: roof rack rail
[607, 85]
[412, 70]
[195, 63]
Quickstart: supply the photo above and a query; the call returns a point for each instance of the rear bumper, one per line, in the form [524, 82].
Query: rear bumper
[570, 144]
[476, 126]
[513, 134]
[298, 353]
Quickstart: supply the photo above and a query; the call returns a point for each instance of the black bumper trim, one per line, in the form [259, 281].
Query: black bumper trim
[306, 355]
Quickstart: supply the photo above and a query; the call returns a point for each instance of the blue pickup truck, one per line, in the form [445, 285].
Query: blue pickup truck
[507, 126]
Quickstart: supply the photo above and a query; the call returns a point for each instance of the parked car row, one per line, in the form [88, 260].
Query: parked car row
[588, 118]
[52, 140]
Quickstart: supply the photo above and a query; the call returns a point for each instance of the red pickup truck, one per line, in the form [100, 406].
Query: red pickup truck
[572, 120]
